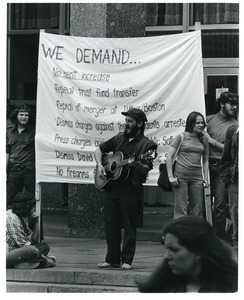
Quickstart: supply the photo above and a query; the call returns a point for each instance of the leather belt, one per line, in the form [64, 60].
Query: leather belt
[20, 166]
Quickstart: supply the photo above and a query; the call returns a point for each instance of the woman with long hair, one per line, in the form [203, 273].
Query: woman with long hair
[190, 174]
[196, 261]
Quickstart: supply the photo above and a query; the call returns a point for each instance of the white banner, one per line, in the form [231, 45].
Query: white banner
[85, 83]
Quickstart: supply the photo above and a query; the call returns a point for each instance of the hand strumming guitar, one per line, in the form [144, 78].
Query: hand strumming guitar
[101, 171]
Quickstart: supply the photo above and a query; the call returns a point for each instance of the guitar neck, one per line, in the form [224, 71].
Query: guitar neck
[128, 160]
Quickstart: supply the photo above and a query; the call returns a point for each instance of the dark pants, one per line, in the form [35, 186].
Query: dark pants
[220, 194]
[26, 253]
[122, 207]
[19, 179]
[233, 201]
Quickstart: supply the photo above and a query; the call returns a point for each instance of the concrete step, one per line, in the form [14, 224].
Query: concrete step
[71, 279]
[30, 287]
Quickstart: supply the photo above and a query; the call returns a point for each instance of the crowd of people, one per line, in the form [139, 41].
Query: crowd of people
[198, 257]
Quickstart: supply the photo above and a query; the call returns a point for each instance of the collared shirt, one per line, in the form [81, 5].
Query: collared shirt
[20, 146]
[18, 234]
[139, 145]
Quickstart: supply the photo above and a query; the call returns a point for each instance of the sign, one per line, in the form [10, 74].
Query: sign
[85, 83]
[221, 90]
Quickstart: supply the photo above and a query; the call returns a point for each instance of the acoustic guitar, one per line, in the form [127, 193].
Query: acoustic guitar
[116, 168]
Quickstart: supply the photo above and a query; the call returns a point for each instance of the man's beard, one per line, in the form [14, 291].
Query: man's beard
[228, 114]
[133, 131]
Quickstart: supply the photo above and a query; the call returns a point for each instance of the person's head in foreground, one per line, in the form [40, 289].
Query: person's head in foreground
[196, 260]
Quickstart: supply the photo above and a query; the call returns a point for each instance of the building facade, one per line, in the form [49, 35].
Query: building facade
[218, 22]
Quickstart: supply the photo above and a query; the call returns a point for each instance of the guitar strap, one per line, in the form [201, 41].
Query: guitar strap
[119, 139]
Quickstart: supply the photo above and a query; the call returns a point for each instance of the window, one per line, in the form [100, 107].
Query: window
[33, 16]
[24, 23]
[219, 23]
[215, 13]
[23, 80]
[164, 14]
[220, 43]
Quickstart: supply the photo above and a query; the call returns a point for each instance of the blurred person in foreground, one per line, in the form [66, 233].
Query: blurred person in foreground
[23, 249]
[196, 261]
[229, 173]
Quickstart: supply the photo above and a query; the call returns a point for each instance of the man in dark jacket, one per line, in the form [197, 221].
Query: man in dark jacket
[217, 125]
[229, 170]
[124, 197]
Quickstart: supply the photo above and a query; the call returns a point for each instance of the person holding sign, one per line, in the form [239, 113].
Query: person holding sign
[187, 179]
[130, 164]
[217, 126]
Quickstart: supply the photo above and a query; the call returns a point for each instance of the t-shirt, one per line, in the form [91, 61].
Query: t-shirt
[190, 153]
[217, 126]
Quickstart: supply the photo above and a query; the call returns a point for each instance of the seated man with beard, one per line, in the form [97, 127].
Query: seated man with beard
[23, 249]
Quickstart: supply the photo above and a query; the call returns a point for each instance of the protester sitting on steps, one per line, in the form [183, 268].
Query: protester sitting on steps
[196, 261]
[23, 249]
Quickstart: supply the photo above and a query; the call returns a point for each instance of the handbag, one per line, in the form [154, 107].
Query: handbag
[163, 179]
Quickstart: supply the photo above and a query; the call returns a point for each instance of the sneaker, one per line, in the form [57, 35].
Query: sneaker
[107, 265]
[126, 266]
[27, 265]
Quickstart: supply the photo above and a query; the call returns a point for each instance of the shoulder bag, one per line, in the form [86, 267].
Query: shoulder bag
[163, 179]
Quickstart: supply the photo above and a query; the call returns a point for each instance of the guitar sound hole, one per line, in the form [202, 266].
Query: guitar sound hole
[113, 166]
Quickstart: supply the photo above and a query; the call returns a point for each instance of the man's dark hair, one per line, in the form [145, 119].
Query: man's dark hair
[14, 113]
[226, 97]
[23, 203]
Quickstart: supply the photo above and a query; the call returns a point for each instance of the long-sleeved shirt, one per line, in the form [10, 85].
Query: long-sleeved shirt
[18, 234]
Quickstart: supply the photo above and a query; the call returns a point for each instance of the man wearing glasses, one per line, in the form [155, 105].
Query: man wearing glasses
[217, 125]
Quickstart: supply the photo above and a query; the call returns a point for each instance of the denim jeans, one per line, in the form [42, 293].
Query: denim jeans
[17, 180]
[233, 201]
[220, 194]
[188, 195]
[26, 253]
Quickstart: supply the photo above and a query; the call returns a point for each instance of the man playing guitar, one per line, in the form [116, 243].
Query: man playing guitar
[124, 198]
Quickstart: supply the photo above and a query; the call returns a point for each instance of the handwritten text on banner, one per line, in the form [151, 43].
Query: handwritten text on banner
[85, 83]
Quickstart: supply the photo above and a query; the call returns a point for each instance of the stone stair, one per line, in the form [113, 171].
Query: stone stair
[63, 280]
